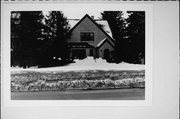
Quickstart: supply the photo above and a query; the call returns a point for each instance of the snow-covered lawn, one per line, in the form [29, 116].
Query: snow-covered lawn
[86, 64]
[96, 79]
[83, 74]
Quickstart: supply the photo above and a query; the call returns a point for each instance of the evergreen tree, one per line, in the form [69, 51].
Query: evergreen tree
[129, 35]
[36, 41]
[26, 37]
[58, 32]
[136, 36]
[117, 25]
[15, 41]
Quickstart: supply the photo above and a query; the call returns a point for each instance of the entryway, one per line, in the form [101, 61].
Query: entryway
[107, 54]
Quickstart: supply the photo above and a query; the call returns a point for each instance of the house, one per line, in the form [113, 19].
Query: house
[90, 37]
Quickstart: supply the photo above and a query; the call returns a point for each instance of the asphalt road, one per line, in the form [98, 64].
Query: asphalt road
[112, 94]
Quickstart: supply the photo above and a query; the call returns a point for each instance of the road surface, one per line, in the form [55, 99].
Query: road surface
[110, 94]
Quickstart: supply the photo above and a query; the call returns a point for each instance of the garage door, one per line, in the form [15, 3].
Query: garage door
[79, 53]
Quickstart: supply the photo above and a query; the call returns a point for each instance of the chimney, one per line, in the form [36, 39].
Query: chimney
[92, 17]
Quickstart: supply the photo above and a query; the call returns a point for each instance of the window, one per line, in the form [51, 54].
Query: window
[87, 36]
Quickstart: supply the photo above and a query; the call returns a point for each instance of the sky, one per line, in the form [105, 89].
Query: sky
[77, 14]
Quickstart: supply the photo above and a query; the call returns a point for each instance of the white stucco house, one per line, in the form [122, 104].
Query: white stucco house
[90, 37]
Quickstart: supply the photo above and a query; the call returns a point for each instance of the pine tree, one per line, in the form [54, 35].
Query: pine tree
[136, 36]
[129, 35]
[58, 26]
[117, 25]
[15, 40]
[26, 37]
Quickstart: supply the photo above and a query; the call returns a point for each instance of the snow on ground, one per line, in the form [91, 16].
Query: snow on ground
[86, 64]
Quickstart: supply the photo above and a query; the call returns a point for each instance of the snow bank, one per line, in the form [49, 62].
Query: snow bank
[88, 63]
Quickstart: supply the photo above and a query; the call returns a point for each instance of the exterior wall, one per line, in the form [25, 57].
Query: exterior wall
[106, 45]
[87, 26]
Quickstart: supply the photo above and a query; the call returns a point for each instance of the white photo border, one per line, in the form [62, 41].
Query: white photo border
[5, 52]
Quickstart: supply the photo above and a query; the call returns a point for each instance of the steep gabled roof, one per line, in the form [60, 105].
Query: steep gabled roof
[106, 30]
[103, 24]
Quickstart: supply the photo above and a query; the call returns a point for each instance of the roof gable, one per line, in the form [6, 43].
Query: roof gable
[75, 23]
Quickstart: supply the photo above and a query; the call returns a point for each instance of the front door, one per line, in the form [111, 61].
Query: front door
[91, 52]
[107, 54]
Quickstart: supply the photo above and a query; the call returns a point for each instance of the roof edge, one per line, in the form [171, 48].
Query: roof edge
[78, 23]
[104, 42]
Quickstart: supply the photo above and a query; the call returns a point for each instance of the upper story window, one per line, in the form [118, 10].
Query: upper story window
[87, 36]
